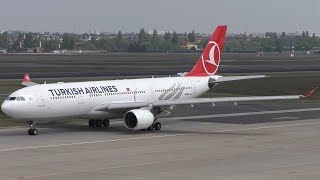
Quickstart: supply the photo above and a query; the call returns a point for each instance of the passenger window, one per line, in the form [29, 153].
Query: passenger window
[22, 99]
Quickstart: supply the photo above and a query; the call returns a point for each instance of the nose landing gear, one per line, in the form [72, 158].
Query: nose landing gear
[32, 131]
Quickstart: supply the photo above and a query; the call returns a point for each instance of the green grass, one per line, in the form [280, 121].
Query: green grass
[276, 84]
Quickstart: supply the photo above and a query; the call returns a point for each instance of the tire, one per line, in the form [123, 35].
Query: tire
[157, 126]
[106, 123]
[32, 132]
[91, 123]
[99, 123]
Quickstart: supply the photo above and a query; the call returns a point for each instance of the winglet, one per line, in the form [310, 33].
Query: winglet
[27, 81]
[310, 93]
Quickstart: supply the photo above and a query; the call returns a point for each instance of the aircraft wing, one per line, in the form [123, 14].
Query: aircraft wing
[132, 105]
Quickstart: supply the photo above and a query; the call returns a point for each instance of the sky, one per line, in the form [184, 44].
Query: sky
[180, 15]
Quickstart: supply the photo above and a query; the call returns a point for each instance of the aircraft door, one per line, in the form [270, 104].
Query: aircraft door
[142, 95]
[40, 98]
[80, 99]
[194, 87]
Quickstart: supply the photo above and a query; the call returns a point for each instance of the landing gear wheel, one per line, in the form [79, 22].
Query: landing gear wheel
[157, 126]
[92, 123]
[99, 123]
[32, 132]
[106, 122]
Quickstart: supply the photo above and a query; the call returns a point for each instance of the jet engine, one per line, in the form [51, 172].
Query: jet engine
[138, 119]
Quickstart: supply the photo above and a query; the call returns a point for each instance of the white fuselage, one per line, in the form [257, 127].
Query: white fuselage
[78, 100]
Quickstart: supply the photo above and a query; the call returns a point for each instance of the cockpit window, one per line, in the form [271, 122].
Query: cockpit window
[19, 98]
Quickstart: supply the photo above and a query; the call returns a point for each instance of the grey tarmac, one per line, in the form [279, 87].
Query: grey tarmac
[251, 145]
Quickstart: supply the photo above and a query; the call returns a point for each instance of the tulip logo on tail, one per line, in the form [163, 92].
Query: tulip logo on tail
[211, 59]
[208, 62]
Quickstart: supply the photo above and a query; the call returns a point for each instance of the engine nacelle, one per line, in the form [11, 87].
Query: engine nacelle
[138, 119]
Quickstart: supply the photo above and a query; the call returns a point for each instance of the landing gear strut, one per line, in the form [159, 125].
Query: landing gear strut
[32, 131]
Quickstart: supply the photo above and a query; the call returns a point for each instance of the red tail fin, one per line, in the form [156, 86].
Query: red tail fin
[209, 61]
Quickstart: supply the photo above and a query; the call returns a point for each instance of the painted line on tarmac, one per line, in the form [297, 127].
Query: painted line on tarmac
[160, 136]
[92, 142]
[283, 118]
[107, 168]
[242, 114]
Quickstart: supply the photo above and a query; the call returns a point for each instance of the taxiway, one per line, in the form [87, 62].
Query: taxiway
[260, 141]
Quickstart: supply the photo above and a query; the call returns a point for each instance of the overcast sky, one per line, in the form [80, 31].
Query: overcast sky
[179, 15]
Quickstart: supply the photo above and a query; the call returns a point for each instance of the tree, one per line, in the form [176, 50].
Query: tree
[50, 45]
[68, 41]
[143, 40]
[155, 40]
[175, 38]
[167, 36]
[143, 37]
[119, 35]
[28, 41]
[3, 40]
[231, 45]
[192, 37]
[123, 44]
[278, 45]
[283, 35]
[120, 42]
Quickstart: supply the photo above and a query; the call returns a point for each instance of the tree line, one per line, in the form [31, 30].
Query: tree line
[273, 42]
[145, 42]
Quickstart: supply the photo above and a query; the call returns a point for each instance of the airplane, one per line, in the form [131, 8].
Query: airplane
[137, 101]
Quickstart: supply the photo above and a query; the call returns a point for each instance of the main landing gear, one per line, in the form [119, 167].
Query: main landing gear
[32, 131]
[155, 126]
[99, 122]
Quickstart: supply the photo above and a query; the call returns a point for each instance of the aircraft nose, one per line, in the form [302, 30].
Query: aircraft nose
[5, 107]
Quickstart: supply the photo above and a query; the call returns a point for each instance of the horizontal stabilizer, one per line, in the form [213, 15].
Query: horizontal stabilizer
[236, 78]
[27, 81]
